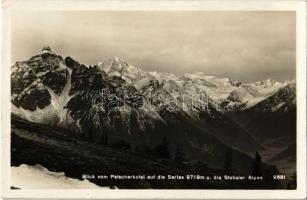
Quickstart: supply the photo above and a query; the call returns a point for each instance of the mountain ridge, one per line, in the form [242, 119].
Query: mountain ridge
[55, 91]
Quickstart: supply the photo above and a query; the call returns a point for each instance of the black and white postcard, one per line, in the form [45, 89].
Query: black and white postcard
[154, 99]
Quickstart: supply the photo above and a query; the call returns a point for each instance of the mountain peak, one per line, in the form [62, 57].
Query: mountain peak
[118, 67]
[267, 83]
[113, 64]
[290, 81]
[46, 48]
[45, 52]
[115, 59]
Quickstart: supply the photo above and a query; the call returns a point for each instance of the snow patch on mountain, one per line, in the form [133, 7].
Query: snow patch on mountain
[59, 101]
[47, 115]
[248, 95]
[264, 90]
[42, 178]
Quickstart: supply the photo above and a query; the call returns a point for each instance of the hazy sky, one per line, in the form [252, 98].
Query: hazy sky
[245, 46]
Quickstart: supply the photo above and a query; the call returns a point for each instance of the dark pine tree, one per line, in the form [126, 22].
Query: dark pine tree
[256, 169]
[179, 155]
[165, 148]
[104, 139]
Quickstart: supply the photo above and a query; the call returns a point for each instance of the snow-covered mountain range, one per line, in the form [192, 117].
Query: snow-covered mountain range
[223, 91]
[205, 113]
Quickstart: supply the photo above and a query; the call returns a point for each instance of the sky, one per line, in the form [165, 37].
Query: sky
[242, 45]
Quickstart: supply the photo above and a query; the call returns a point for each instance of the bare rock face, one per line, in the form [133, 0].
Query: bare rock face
[31, 80]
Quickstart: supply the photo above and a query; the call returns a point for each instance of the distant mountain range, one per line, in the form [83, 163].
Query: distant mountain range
[206, 115]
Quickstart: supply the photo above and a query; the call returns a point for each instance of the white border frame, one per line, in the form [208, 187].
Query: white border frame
[168, 5]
